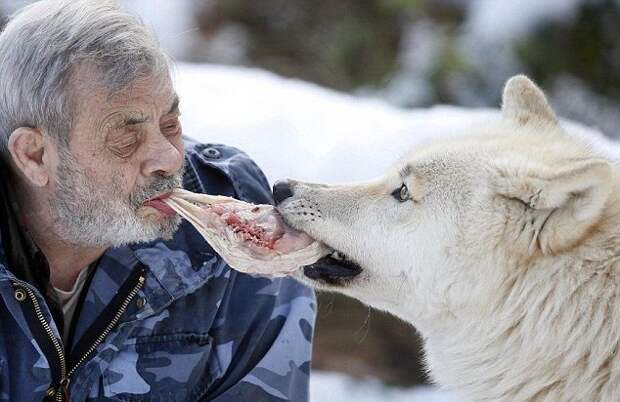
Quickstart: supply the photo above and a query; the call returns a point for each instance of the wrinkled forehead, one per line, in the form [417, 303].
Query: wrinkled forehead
[91, 95]
[157, 88]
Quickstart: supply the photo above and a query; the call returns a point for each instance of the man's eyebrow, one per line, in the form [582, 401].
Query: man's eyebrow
[131, 120]
[121, 119]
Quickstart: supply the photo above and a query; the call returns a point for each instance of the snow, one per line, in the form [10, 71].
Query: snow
[336, 387]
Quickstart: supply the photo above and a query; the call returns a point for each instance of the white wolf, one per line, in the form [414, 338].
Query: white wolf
[502, 247]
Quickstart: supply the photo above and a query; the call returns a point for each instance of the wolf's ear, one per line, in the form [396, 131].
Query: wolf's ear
[523, 102]
[561, 205]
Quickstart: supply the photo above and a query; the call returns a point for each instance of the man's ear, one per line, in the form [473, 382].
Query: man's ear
[561, 205]
[28, 149]
[524, 103]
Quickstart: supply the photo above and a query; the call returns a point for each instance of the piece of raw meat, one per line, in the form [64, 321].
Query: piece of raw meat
[250, 238]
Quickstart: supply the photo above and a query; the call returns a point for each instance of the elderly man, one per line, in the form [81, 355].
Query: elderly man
[106, 295]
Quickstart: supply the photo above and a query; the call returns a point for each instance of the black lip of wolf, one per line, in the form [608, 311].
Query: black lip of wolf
[332, 271]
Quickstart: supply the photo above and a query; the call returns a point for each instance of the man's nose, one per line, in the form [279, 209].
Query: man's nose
[162, 158]
[281, 191]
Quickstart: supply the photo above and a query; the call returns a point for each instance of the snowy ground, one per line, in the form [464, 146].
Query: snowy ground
[295, 129]
[334, 387]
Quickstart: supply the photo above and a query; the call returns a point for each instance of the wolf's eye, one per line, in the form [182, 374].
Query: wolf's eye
[401, 194]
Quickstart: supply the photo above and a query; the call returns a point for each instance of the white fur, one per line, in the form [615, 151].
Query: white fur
[506, 258]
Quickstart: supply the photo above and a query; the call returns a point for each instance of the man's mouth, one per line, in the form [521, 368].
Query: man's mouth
[158, 203]
[334, 269]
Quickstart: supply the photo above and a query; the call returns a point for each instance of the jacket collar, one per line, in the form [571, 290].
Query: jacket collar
[17, 250]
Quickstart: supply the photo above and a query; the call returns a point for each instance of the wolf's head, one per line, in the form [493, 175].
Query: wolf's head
[453, 220]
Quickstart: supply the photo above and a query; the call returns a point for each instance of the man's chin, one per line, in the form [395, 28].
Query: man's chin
[150, 228]
[162, 226]
[168, 232]
[120, 230]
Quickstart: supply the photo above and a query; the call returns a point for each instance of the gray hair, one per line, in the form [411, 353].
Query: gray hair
[43, 43]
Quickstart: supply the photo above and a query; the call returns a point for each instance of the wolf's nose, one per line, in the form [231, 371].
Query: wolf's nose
[281, 191]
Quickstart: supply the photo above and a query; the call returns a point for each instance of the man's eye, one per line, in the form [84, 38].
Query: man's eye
[123, 143]
[402, 194]
[172, 128]
[123, 151]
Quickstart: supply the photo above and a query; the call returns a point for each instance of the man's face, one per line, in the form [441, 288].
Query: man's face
[125, 148]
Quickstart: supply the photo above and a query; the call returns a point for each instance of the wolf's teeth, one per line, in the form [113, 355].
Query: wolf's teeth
[337, 255]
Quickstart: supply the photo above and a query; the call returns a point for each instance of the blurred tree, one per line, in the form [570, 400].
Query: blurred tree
[586, 47]
[343, 45]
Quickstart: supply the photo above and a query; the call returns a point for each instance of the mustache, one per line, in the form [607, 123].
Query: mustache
[160, 185]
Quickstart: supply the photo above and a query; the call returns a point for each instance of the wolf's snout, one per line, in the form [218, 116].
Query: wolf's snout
[281, 191]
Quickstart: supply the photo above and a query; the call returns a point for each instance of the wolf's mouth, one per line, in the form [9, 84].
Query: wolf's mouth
[334, 269]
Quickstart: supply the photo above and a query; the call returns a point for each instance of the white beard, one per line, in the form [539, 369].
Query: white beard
[91, 215]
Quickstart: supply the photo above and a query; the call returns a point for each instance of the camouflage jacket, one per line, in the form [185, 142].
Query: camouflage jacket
[165, 321]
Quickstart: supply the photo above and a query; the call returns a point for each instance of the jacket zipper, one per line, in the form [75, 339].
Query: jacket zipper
[57, 345]
[61, 392]
[110, 326]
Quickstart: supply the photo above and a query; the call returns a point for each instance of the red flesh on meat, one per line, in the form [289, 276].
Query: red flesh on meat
[248, 230]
